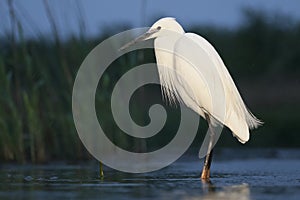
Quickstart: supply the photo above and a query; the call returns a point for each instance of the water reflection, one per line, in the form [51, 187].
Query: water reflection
[232, 192]
[232, 179]
[238, 192]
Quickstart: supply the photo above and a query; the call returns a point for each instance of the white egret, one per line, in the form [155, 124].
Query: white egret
[191, 91]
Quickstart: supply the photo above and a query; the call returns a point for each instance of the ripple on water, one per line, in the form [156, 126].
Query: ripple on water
[251, 178]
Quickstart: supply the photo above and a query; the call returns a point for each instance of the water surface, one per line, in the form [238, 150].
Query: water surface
[236, 174]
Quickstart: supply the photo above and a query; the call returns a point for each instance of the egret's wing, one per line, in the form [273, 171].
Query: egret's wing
[208, 85]
[233, 96]
[199, 84]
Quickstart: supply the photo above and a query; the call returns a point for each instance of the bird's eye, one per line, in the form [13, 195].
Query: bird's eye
[158, 28]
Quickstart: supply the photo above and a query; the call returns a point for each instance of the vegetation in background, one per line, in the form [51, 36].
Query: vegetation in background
[36, 80]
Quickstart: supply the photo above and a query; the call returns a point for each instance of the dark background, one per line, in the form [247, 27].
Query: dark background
[37, 73]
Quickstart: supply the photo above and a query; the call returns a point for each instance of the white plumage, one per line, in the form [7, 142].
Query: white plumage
[191, 71]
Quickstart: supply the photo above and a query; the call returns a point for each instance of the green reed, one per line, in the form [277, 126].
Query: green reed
[36, 80]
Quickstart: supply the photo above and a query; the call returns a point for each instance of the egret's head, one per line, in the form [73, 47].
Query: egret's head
[164, 26]
[161, 28]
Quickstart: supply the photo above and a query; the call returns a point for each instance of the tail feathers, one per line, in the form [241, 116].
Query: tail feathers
[239, 127]
[252, 121]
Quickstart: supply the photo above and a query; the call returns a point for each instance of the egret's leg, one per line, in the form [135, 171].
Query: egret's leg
[208, 158]
[101, 170]
[206, 167]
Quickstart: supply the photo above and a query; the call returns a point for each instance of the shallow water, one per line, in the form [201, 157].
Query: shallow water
[236, 174]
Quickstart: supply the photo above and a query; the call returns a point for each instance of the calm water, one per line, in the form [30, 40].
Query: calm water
[249, 174]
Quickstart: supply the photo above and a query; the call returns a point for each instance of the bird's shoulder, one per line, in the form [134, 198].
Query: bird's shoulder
[196, 38]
